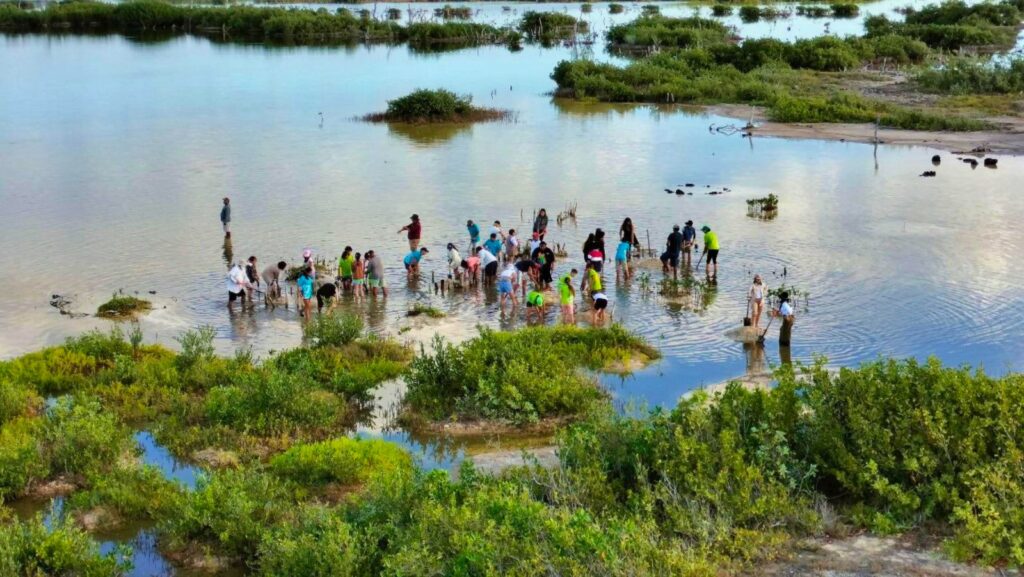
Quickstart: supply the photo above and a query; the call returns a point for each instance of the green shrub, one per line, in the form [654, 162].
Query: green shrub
[343, 460]
[129, 493]
[352, 370]
[971, 76]
[823, 53]
[31, 548]
[85, 439]
[991, 514]
[721, 10]
[16, 400]
[21, 457]
[271, 402]
[339, 329]
[845, 10]
[122, 306]
[547, 26]
[812, 11]
[319, 544]
[196, 347]
[615, 8]
[231, 510]
[654, 30]
[522, 376]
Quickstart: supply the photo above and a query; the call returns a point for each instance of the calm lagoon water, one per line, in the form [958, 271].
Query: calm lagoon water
[114, 155]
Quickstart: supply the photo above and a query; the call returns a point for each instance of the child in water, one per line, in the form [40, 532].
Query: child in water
[535, 303]
[358, 277]
[622, 260]
[567, 297]
[305, 283]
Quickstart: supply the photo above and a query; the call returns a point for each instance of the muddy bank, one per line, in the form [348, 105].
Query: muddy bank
[1009, 140]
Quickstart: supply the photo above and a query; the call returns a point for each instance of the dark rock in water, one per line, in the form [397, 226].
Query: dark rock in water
[991, 162]
[936, 159]
[974, 163]
[689, 185]
[928, 173]
[969, 160]
[691, 194]
[152, 292]
[680, 191]
[668, 190]
[714, 193]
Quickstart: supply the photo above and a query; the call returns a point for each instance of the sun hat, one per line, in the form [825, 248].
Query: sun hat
[307, 253]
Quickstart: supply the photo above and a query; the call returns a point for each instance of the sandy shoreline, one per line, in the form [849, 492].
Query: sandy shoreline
[1008, 141]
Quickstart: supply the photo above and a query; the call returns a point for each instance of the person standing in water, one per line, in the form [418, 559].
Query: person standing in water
[673, 246]
[225, 217]
[345, 268]
[454, 263]
[474, 236]
[567, 297]
[628, 235]
[786, 312]
[375, 274]
[507, 281]
[545, 257]
[755, 299]
[689, 236]
[358, 277]
[307, 262]
[622, 260]
[489, 262]
[592, 279]
[413, 230]
[540, 224]
[253, 274]
[711, 250]
[237, 284]
[493, 245]
[511, 245]
[306, 291]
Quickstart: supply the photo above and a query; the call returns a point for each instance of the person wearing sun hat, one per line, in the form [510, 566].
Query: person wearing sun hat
[711, 250]
[413, 230]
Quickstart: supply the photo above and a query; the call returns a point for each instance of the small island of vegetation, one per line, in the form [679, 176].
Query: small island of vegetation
[436, 106]
[122, 306]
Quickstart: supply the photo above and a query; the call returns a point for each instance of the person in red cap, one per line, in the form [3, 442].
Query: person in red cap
[413, 230]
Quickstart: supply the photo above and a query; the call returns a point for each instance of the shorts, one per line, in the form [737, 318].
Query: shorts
[409, 266]
[620, 260]
[600, 304]
[504, 287]
[671, 258]
[713, 256]
[232, 297]
[491, 269]
[358, 281]
[375, 283]
[545, 274]
[227, 227]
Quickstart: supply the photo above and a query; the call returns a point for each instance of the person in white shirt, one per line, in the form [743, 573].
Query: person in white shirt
[489, 264]
[496, 229]
[786, 312]
[454, 263]
[755, 300]
[237, 284]
[535, 242]
[507, 282]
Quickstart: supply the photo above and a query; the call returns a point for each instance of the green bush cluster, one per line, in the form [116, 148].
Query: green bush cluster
[521, 377]
[954, 24]
[122, 306]
[31, 548]
[752, 13]
[721, 10]
[616, 8]
[655, 30]
[971, 76]
[339, 329]
[267, 402]
[550, 26]
[343, 460]
[433, 105]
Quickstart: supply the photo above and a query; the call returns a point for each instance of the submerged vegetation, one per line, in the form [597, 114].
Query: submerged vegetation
[519, 377]
[762, 206]
[433, 106]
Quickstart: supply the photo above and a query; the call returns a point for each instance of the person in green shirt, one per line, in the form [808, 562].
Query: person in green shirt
[591, 278]
[535, 303]
[345, 264]
[711, 250]
[567, 297]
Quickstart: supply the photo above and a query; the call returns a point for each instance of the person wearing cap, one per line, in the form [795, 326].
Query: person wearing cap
[711, 250]
[307, 262]
[689, 236]
[412, 261]
[474, 235]
[413, 230]
[673, 245]
[237, 284]
[225, 217]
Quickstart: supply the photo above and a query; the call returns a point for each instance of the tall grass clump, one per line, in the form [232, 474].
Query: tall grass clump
[519, 377]
[430, 106]
[549, 26]
[655, 30]
[972, 76]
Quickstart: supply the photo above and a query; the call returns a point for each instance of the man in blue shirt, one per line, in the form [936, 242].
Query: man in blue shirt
[493, 245]
[689, 236]
[412, 261]
[474, 235]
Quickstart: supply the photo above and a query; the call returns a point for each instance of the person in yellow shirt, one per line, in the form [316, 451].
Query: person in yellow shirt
[711, 250]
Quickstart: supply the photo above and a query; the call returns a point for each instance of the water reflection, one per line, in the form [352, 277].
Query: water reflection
[428, 134]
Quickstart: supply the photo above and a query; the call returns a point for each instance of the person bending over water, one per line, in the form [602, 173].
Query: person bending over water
[326, 294]
[535, 304]
[507, 287]
[673, 246]
[599, 308]
[412, 261]
[272, 278]
[237, 284]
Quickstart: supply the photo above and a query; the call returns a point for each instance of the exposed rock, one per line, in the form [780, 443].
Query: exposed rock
[936, 160]
[991, 162]
[928, 173]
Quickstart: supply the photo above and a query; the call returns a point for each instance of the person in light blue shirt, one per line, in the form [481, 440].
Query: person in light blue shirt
[412, 261]
[305, 283]
[493, 245]
[474, 235]
[622, 260]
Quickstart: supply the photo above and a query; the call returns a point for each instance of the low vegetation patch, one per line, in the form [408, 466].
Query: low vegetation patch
[520, 377]
[345, 461]
[551, 26]
[768, 203]
[436, 106]
[122, 306]
[419, 309]
[971, 76]
[659, 31]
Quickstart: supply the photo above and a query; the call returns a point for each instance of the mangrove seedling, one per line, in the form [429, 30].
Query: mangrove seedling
[764, 206]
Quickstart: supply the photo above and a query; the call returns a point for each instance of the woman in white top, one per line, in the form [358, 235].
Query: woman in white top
[756, 298]
[786, 312]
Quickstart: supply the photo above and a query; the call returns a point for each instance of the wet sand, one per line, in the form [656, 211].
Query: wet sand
[1008, 141]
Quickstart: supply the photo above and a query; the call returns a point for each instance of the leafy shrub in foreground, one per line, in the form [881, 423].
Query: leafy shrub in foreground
[271, 402]
[85, 439]
[342, 460]
[133, 493]
[339, 329]
[21, 457]
[30, 548]
[319, 544]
